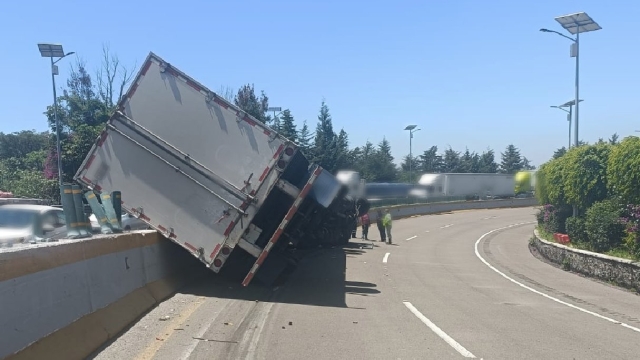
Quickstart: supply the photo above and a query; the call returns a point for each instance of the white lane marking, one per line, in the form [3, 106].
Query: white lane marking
[411, 238]
[454, 344]
[386, 257]
[540, 292]
[446, 226]
[427, 231]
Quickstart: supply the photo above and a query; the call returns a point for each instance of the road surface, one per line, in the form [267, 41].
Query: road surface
[452, 286]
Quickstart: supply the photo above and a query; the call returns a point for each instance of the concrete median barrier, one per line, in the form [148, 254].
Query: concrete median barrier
[404, 211]
[64, 300]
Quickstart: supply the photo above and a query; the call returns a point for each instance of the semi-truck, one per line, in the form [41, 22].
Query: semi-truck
[468, 185]
[212, 178]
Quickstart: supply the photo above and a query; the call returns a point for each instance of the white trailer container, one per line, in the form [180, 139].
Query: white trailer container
[468, 185]
[212, 178]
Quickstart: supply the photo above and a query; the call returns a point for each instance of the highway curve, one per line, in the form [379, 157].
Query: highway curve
[451, 286]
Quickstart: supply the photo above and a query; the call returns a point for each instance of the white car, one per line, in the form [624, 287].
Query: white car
[128, 223]
[21, 223]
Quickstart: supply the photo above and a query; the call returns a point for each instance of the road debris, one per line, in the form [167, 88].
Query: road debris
[165, 318]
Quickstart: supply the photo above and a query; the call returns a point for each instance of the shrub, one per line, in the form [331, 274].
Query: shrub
[552, 219]
[603, 226]
[584, 175]
[631, 221]
[576, 229]
[622, 170]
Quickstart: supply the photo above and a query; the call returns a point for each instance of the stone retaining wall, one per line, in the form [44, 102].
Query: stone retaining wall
[622, 272]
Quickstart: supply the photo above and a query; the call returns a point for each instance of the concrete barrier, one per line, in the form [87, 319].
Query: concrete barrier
[64, 300]
[404, 211]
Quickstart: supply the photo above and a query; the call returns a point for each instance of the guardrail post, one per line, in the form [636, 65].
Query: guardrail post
[84, 226]
[98, 211]
[107, 204]
[117, 205]
[68, 207]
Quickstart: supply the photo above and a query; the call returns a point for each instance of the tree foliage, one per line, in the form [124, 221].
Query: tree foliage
[288, 126]
[623, 170]
[256, 106]
[512, 161]
[584, 175]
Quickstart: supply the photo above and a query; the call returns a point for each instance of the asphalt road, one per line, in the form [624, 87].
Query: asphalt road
[451, 286]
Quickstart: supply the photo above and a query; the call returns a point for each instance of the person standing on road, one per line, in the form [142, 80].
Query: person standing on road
[365, 226]
[386, 222]
[383, 237]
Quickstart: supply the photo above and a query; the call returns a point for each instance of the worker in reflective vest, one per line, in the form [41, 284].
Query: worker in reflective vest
[386, 222]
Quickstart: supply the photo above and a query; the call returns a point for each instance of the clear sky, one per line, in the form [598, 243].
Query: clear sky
[470, 73]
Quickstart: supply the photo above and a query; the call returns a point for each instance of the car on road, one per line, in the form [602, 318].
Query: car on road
[128, 223]
[23, 224]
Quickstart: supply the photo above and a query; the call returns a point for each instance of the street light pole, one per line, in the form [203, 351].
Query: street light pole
[276, 124]
[575, 24]
[51, 51]
[411, 129]
[562, 107]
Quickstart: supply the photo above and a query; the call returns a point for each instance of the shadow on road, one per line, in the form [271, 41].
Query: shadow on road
[319, 280]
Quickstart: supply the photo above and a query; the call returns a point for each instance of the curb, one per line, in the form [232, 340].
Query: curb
[624, 273]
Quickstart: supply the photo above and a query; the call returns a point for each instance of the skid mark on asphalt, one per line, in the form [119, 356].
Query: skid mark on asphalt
[540, 292]
[448, 339]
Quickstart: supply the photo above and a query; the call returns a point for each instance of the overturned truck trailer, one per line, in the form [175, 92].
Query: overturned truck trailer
[213, 179]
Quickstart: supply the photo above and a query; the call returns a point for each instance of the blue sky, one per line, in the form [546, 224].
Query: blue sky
[473, 74]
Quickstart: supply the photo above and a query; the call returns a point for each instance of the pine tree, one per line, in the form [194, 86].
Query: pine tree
[451, 161]
[431, 161]
[287, 126]
[560, 152]
[383, 169]
[488, 163]
[325, 152]
[305, 139]
[511, 160]
[526, 164]
[255, 106]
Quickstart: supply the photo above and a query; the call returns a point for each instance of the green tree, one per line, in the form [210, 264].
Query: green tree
[430, 161]
[288, 126]
[382, 167]
[19, 144]
[511, 160]
[256, 106]
[550, 187]
[526, 164]
[469, 162]
[364, 159]
[623, 170]
[326, 152]
[613, 140]
[451, 161]
[305, 138]
[406, 171]
[585, 175]
[344, 156]
[560, 152]
[488, 163]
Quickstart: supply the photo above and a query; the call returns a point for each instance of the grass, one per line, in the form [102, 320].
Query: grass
[618, 252]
